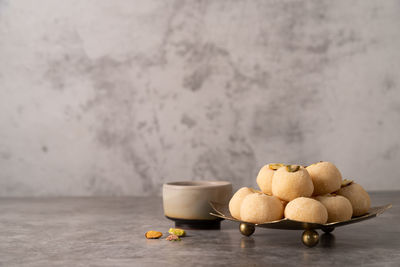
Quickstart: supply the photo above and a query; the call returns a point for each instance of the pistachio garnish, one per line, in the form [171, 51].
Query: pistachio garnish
[292, 168]
[275, 166]
[346, 182]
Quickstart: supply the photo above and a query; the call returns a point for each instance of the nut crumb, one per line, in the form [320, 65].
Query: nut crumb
[173, 238]
[177, 231]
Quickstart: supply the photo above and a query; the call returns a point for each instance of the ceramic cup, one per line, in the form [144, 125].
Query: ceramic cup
[187, 202]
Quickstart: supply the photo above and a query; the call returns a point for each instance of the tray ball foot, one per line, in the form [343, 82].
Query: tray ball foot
[310, 238]
[247, 229]
[328, 229]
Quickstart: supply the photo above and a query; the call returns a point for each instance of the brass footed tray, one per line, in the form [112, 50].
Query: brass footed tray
[310, 237]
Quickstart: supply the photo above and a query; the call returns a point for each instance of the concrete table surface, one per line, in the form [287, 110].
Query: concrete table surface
[109, 231]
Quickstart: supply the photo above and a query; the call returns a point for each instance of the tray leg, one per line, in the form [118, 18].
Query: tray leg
[310, 238]
[247, 229]
[328, 229]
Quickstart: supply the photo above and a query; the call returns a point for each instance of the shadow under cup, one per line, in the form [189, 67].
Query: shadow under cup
[187, 202]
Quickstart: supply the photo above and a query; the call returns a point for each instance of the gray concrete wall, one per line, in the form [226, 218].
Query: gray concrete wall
[118, 97]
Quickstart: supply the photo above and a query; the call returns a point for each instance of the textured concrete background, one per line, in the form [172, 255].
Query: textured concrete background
[118, 97]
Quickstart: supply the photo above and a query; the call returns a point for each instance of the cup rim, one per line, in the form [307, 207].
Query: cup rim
[196, 184]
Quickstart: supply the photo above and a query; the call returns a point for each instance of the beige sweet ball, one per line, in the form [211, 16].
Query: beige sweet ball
[339, 208]
[236, 201]
[261, 208]
[290, 182]
[358, 198]
[264, 177]
[325, 177]
[305, 209]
